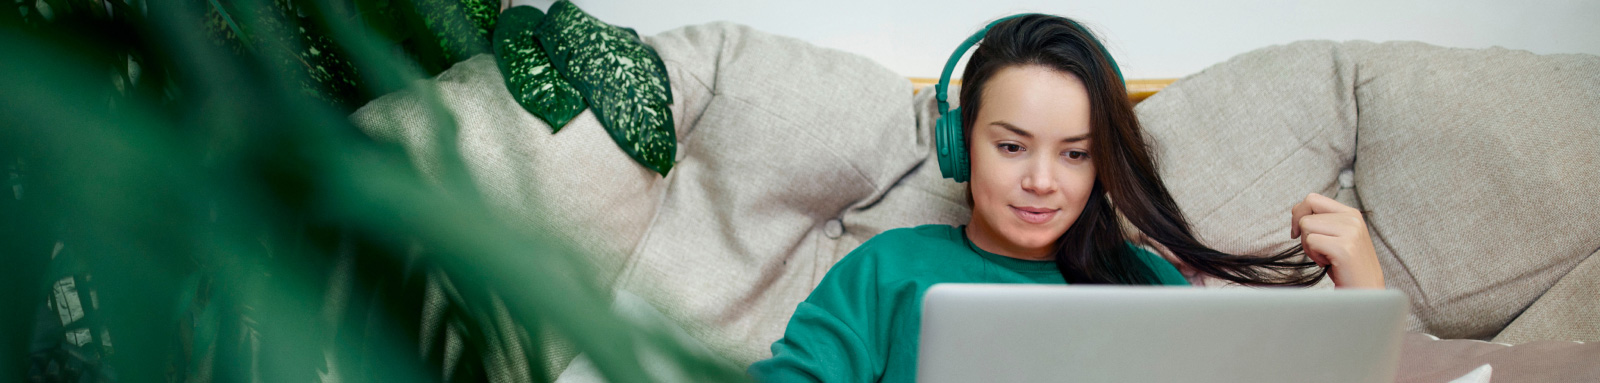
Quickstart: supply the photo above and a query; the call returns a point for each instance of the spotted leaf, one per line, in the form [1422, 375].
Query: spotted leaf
[620, 77]
[652, 147]
[300, 48]
[533, 82]
[483, 14]
[461, 27]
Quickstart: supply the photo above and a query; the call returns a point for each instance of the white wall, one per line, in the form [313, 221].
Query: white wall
[1149, 38]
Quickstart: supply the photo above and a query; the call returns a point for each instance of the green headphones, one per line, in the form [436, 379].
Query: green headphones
[953, 160]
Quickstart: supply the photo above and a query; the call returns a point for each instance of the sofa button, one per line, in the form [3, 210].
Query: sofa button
[833, 229]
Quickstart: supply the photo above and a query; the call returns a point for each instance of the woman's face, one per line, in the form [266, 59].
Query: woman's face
[1031, 169]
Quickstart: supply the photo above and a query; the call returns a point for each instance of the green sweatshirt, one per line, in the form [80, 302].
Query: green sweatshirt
[862, 322]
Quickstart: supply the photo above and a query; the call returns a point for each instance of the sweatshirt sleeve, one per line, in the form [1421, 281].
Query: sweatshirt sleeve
[830, 337]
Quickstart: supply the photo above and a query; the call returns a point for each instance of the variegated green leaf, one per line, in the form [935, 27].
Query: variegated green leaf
[620, 77]
[483, 13]
[533, 82]
[594, 54]
[303, 50]
[649, 137]
[330, 76]
[459, 25]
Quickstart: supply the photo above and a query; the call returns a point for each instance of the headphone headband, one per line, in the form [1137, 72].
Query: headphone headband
[941, 92]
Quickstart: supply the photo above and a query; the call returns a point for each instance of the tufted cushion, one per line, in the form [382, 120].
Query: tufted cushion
[1477, 167]
[1237, 170]
[787, 155]
[544, 181]
[1241, 142]
[786, 138]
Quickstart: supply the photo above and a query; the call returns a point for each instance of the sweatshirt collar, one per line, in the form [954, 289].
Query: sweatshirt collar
[1018, 265]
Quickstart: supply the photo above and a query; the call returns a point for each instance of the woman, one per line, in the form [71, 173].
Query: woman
[1056, 155]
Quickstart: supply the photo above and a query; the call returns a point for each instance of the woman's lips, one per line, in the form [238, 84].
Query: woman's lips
[1034, 215]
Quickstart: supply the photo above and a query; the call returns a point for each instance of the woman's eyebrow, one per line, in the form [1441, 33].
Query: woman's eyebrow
[1018, 131]
[1013, 128]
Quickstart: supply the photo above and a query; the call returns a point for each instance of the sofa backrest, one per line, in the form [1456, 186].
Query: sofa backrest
[1477, 167]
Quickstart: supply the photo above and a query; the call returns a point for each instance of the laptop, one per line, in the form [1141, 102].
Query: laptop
[1056, 333]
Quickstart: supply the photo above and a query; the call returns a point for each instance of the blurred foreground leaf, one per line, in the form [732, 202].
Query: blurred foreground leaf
[233, 226]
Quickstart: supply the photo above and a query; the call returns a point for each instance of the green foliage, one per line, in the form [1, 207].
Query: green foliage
[433, 34]
[461, 30]
[281, 30]
[191, 163]
[620, 77]
[533, 82]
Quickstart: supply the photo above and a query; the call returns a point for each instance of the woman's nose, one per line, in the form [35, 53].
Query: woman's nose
[1038, 179]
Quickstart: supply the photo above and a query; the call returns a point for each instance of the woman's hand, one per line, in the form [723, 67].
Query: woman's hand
[1335, 236]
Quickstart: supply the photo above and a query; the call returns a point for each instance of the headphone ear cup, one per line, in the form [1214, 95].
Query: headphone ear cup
[952, 148]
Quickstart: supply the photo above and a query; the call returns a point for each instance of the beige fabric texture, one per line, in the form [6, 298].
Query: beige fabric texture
[1482, 235]
[1477, 167]
[527, 173]
[789, 141]
[554, 183]
[1570, 310]
[1235, 169]
[736, 245]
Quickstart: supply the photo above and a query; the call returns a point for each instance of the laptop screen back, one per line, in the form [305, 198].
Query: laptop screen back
[1039, 333]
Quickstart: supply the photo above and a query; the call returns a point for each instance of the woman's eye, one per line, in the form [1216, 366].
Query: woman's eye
[1077, 155]
[1010, 148]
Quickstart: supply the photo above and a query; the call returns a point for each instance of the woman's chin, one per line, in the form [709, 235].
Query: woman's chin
[1034, 237]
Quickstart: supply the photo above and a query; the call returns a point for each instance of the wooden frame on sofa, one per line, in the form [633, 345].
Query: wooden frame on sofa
[1138, 89]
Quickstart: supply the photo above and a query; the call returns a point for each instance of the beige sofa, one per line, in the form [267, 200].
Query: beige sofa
[1479, 169]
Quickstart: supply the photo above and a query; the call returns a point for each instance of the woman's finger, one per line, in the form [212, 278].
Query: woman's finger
[1330, 248]
[1344, 225]
[1322, 204]
[1314, 204]
[1349, 264]
[1299, 210]
[1314, 248]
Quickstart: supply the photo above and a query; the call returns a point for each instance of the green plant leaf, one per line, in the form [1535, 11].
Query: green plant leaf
[280, 29]
[457, 25]
[329, 75]
[645, 134]
[483, 14]
[223, 30]
[533, 82]
[619, 76]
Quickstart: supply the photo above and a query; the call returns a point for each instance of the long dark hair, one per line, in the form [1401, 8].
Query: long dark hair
[1093, 249]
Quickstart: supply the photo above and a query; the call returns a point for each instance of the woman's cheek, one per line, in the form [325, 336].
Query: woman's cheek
[1076, 187]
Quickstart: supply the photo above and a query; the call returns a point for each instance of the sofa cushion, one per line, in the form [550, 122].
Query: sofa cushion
[1476, 167]
[550, 182]
[790, 136]
[1479, 169]
[921, 197]
[1569, 310]
[1241, 142]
